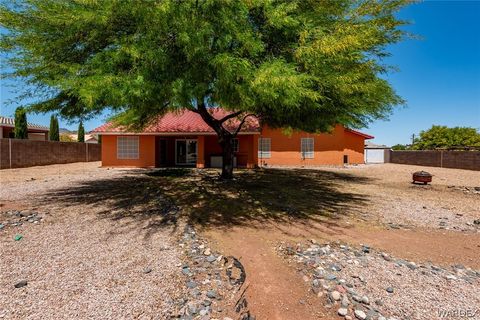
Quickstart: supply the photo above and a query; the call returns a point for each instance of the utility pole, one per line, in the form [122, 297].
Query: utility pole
[413, 139]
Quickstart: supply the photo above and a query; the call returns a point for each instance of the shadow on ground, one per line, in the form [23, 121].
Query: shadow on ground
[280, 195]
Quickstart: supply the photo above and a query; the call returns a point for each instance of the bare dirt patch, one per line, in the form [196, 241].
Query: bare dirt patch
[275, 290]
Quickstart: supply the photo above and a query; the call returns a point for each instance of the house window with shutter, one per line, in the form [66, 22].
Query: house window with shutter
[127, 147]
[307, 148]
[264, 145]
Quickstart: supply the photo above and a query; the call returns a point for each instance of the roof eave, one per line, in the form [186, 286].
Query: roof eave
[366, 136]
[29, 128]
[167, 133]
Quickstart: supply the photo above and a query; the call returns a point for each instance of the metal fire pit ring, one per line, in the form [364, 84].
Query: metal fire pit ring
[422, 177]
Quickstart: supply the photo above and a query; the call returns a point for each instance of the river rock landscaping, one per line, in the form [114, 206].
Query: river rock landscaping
[16, 218]
[363, 283]
[214, 283]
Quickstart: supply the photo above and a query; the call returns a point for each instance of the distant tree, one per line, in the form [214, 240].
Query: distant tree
[54, 133]
[66, 138]
[399, 147]
[444, 137]
[81, 133]
[306, 65]
[21, 125]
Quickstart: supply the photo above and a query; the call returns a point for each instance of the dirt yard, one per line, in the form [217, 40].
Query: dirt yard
[101, 243]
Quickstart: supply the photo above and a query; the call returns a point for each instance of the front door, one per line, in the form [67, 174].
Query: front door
[185, 151]
[160, 152]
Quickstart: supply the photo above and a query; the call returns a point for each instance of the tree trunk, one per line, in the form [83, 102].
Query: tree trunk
[225, 138]
[227, 156]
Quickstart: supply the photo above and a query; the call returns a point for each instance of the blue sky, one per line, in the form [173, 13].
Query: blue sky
[439, 75]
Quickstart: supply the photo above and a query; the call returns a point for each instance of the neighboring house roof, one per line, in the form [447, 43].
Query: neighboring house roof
[91, 138]
[371, 145]
[186, 122]
[10, 122]
[190, 122]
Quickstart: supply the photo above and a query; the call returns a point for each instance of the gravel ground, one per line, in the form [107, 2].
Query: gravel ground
[18, 184]
[450, 202]
[361, 283]
[82, 242]
[78, 262]
[105, 244]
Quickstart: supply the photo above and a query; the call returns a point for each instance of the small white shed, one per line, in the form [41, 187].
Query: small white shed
[376, 153]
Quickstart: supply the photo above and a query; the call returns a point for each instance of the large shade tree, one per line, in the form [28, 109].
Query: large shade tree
[300, 64]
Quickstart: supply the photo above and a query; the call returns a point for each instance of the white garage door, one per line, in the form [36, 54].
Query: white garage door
[374, 156]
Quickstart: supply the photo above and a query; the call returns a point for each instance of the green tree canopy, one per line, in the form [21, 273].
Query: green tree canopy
[299, 64]
[81, 133]
[66, 138]
[399, 147]
[54, 132]
[21, 126]
[443, 137]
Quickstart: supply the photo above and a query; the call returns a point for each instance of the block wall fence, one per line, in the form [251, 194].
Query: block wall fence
[18, 153]
[469, 160]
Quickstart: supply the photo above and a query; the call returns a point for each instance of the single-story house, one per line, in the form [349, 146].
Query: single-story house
[376, 153]
[35, 131]
[184, 139]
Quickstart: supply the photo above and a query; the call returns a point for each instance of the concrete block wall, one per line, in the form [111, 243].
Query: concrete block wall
[18, 153]
[469, 160]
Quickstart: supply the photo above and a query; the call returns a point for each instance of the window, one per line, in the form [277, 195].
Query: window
[127, 147]
[307, 148]
[264, 148]
[235, 145]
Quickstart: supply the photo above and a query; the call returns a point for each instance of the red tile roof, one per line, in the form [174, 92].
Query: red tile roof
[190, 122]
[186, 122]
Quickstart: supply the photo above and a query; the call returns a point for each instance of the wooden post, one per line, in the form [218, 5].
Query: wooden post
[200, 152]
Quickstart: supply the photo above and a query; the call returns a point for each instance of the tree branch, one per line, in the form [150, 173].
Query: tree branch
[209, 119]
[190, 108]
[241, 123]
[230, 116]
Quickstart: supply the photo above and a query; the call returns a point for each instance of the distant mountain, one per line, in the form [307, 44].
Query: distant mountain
[66, 131]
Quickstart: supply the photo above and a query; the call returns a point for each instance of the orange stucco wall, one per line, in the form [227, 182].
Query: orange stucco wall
[329, 149]
[244, 155]
[146, 152]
